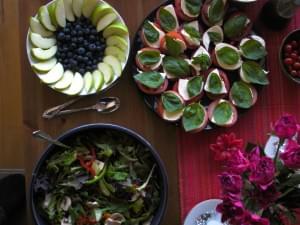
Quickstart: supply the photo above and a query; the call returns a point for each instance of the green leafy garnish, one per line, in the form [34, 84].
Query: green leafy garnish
[216, 11]
[149, 57]
[176, 66]
[193, 116]
[171, 102]
[150, 79]
[253, 50]
[228, 56]
[173, 46]
[222, 113]
[234, 27]
[214, 83]
[203, 60]
[241, 94]
[254, 73]
[151, 34]
[194, 86]
[192, 31]
[215, 37]
[193, 6]
[167, 20]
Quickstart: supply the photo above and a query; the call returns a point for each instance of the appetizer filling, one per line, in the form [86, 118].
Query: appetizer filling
[151, 79]
[173, 106]
[167, 18]
[228, 56]
[152, 34]
[189, 88]
[252, 72]
[215, 11]
[213, 35]
[242, 95]
[223, 113]
[194, 117]
[253, 49]
[173, 43]
[236, 26]
[191, 33]
[176, 67]
[201, 60]
[149, 59]
[191, 8]
[215, 83]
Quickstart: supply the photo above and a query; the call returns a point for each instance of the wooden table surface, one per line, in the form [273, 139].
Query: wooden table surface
[133, 112]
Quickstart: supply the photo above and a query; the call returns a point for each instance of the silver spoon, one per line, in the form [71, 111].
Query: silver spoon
[46, 137]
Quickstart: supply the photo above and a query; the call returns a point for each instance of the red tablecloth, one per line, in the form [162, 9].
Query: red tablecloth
[197, 169]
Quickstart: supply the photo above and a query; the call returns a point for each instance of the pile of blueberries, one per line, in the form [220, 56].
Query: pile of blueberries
[80, 46]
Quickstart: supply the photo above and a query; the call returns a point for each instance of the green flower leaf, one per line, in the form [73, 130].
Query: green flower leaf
[194, 86]
[149, 57]
[173, 46]
[254, 73]
[193, 6]
[203, 60]
[151, 34]
[167, 20]
[222, 113]
[253, 50]
[214, 83]
[192, 31]
[171, 102]
[234, 27]
[216, 11]
[228, 56]
[150, 79]
[241, 94]
[193, 116]
[175, 66]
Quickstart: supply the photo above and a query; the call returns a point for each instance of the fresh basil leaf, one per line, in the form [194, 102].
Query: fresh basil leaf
[222, 113]
[173, 47]
[167, 20]
[171, 102]
[215, 37]
[175, 66]
[216, 11]
[241, 94]
[150, 79]
[254, 50]
[203, 60]
[194, 86]
[193, 116]
[193, 6]
[228, 56]
[151, 34]
[235, 26]
[149, 57]
[214, 83]
[254, 73]
[192, 31]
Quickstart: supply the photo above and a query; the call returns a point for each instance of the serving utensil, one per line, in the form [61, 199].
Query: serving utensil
[46, 137]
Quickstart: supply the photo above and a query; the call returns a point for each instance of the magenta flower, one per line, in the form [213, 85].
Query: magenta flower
[286, 127]
[291, 155]
[231, 186]
[231, 210]
[253, 219]
[267, 197]
[262, 173]
[254, 156]
[237, 163]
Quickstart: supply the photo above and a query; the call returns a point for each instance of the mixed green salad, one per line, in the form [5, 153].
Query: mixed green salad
[103, 179]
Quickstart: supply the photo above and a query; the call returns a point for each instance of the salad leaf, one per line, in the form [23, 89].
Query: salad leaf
[234, 27]
[203, 60]
[193, 6]
[173, 46]
[150, 79]
[193, 116]
[171, 102]
[149, 57]
[222, 113]
[214, 83]
[216, 11]
[167, 20]
[192, 31]
[194, 86]
[254, 73]
[137, 206]
[253, 49]
[241, 94]
[228, 56]
[176, 66]
[114, 174]
[215, 37]
[151, 34]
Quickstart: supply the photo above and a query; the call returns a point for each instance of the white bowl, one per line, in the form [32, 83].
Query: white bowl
[105, 86]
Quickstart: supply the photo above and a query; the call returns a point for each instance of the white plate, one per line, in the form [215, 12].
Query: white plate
[105, 86]
[207, 206]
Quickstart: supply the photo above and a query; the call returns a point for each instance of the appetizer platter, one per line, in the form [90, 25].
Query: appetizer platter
[199, 64]
[78, 47]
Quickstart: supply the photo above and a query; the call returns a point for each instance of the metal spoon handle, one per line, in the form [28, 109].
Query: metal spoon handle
[46, 137]
[70, 111]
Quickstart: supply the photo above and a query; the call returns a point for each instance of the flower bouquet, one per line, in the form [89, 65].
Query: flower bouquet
[257, 189]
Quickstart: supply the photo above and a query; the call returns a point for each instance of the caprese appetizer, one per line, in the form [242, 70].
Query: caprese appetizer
[188, 9]
[173, 44]
[149, 59]
[192, 34]
[217, 84]
[243, 95]
[252, 72]
[151, 35]
[213, 35]
[166, 18]
[213, 12]
[201, 60]
[227, 57]
[253, 47]
[151, 83]
[194, 118]
[176, 68]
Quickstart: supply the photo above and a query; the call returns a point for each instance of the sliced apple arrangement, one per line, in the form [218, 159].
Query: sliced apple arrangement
[78, 47]
[199, 62]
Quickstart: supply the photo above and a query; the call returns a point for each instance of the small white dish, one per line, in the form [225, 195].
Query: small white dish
[205, 207]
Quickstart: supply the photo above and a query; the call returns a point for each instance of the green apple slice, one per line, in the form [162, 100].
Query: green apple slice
[45, 66]
[37, 27]
[101, 10]
[115, 51]
[107, 71]
[69, 10]
[51, 10]
[60, 13]
[40, 42]
[45, 19]
[65, 81]
[43, 54]
[114, 63]
[117, 28]
[88, 83]
[98, 80]
[54, 75]
[88, 7]
[105, 21]
[77, 7]
[76, 86]
[117, 41]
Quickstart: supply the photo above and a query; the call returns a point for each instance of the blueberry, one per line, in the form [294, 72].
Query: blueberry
[73, 32]
[69, 54]
[58, 54]
[80, 58]
[82, 71]
[98, 48]
[86, 59]
[65, 49]
[66, 61]
[63, 55]
[79, 33]
[80, 39]
[81, 51]
[89, 68]
[78, 27]
[92, 47]
[90, 63]
[74, 39]
[92, 37]
[94, 32]
[95, 67]
[61, 36]
[73, 45]
[68, 37]
[87, 30]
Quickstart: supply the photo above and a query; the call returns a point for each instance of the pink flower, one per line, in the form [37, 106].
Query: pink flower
[231, 185]
[253, 219]
[231, 210]
[286, 127]
[254, 156]
[263, 172]
[237, 163]
[226, 145]
[291, 155]
[267, 197]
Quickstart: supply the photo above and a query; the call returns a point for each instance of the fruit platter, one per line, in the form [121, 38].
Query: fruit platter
[78, 47]
[199, 64]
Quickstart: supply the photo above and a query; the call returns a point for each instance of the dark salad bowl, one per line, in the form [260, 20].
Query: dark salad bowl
[69, 136]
